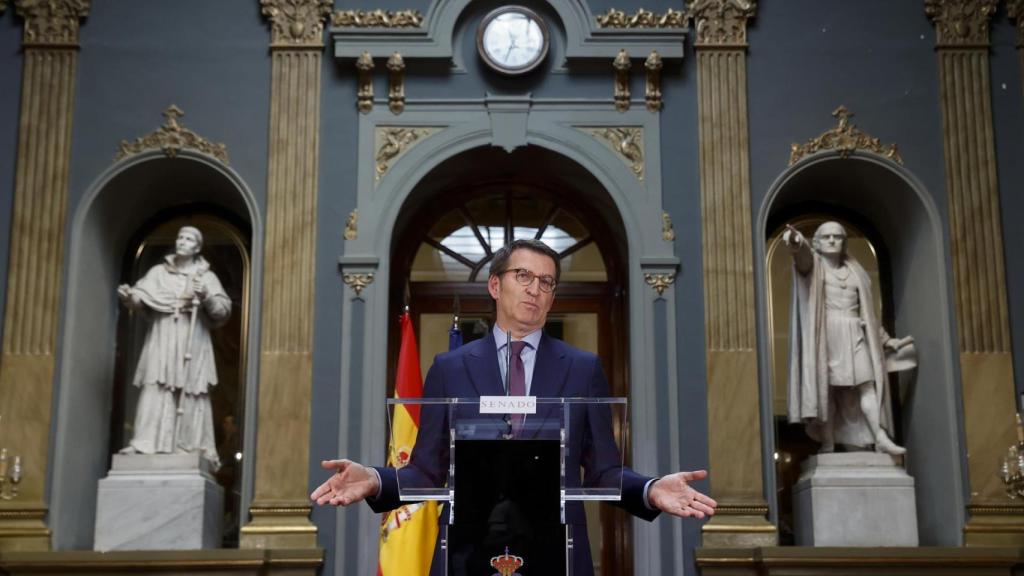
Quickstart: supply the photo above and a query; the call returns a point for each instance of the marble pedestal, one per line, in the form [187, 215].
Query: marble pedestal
[854, 499]
[159, 502]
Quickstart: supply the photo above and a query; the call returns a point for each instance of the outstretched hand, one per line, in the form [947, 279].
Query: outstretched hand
[673, 494]
[351, 483]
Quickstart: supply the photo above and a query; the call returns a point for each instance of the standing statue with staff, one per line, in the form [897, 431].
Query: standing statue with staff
[183, 300]
[840, 355]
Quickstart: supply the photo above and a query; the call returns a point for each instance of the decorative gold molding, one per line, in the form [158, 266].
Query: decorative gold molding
[1015, 10]
[659, 281]
[845, 138]
[668, 233]
[358, 281]
[627, 142]
[352, 225]
[962, 23]
[377, 19]
[621, 64]
[641, 19]
[652, 88]
[296, 23]
[721, 22]
[51, 22]
[396, 83]
[172, 138]
[392, 142]
[364, 95]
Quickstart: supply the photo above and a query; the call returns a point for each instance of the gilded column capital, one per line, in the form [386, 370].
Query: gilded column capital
[721, 22]
[51, 22]
[961, 22]
[297, 23]
[1015, 10]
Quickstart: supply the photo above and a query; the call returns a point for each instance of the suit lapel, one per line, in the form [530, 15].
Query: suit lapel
[549, 375]
[482, 366]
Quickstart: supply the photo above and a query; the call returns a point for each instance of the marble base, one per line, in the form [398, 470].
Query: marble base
[158, 502]
[854, 499]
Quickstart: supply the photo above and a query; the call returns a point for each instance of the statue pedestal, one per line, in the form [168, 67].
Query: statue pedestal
[159, 502]
[854, 499]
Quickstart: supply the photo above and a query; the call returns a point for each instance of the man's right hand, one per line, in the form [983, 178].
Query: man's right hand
[351, 483]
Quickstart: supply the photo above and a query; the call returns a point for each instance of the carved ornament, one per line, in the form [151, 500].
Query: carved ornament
[357, 282]
[652, 90]
[641, 19]
[627, 142]
[352, 225]
[364, 95]
[961, 22]
[396, 83]
[392, 142]
[1015, 10]
[172, 137]
[297, 23]
[622, 66]
[721, 22]
[377, 19]
[668, 233]
[660, 282]
[51, 22]
[845, 138]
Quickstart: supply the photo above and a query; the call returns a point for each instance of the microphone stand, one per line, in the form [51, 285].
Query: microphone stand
[508, 435]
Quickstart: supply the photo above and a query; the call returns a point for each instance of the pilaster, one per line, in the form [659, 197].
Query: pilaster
[280, 509]
[976, 243]
[731, 343]
[27, 363]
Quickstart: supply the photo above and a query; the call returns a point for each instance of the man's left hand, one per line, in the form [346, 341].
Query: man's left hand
[674, 495]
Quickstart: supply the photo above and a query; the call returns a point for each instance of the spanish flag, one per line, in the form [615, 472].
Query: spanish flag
[407, 534]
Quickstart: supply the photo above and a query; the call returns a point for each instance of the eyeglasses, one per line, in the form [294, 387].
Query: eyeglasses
[525, 277]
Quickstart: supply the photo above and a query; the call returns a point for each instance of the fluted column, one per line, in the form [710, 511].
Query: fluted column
[731, 343]
[1015, 10]
[50, 46]
[280, 509]
[976, 241]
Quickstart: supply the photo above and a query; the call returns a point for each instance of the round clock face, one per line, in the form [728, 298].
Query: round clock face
[512, 40]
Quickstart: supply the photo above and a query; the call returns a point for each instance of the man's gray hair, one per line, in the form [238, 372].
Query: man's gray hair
[499, 265]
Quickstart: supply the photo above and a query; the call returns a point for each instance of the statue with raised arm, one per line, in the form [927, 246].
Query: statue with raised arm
[838, 369]
[182, 300]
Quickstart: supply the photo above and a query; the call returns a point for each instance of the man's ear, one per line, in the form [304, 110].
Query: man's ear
[492, 286]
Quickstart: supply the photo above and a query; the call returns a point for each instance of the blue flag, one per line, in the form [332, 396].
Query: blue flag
[454, 337]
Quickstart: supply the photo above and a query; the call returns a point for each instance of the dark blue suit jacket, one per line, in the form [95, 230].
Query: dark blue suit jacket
[560, 371]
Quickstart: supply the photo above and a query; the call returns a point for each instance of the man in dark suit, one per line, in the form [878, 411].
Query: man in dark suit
[522, 283]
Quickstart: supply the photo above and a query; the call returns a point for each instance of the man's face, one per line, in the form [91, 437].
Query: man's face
[831, 239]
[186, 244]
[522, 309]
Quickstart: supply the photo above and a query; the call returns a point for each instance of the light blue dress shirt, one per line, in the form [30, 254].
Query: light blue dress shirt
[529, 354]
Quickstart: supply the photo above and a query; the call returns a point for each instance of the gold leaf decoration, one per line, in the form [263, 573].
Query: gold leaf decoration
[844, 138]
[961, 22]
[641, 19]
[171, 138]
[721, 22]
[377, 19]
[297, 22]
[660, 282]
[627, 142]
[51, 21]
[357, 282]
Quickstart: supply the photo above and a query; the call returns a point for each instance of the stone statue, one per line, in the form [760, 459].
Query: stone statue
[183, 300]
[840, 355]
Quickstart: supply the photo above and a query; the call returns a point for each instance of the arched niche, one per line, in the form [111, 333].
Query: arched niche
[888, 200]
[121, 201]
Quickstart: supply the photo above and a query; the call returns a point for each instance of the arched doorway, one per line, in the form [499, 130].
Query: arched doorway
[476, 202]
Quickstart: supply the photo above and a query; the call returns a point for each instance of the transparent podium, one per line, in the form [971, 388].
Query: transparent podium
[513, 473]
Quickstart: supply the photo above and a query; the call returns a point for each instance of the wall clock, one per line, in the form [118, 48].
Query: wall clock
[512, 39]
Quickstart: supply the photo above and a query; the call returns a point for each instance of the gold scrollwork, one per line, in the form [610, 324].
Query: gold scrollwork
[961, 22]
[1015, 10]
[652, 90]
[627, 142]
[364, 95]
[844, 138]
[393, 141]
[377, 19]
[641, 19]
[352, 225]
[660, 282]
[297, 22]
[622, 66]
[668, 233]
[357, 282]
[396, 83]
[721, 22]
[171, 138]
[51, 21]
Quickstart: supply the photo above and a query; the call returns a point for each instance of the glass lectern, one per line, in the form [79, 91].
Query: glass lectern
[513, 473]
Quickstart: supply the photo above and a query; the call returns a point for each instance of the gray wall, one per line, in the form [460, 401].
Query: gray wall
[10, 105]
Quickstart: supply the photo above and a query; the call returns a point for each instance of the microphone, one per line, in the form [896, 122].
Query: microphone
[508, 375]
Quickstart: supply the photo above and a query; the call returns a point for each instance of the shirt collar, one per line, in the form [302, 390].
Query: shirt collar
[533, 338]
